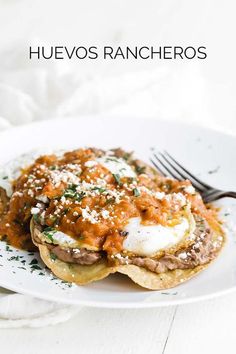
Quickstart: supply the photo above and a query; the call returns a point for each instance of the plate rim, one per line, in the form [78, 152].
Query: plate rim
[123, 305]
[216, 128]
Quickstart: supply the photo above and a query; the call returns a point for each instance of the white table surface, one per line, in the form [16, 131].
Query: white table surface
[204, 327]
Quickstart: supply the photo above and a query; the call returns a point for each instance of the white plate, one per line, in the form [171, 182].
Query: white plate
[208, 153]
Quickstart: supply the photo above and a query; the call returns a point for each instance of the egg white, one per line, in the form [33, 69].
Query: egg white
[116, 166]
[12, 169]
[148, 240]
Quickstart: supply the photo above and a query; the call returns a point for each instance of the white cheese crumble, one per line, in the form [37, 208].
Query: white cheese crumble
[57, 177]
[90, 163]
[190, 190]
[42, 198]
[90, 215]
[35, 211]
[120, 257]
[105, 214]
[31, 193]
[176, 197]
[183, 255]
[160, 195]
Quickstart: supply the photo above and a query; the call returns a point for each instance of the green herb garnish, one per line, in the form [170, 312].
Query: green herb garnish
[53, 256]
[49, 232]
[36, 218]
[127, 156]
[117, 178]
[14, 258]
[80, 196]
[71, 192]
[113, 159]
[99, 189]
[34, 261]
[34, 267]
[110, 200]
[8, 249]
[5, 177]
[136, 192]
[140, 169]
[54, 219]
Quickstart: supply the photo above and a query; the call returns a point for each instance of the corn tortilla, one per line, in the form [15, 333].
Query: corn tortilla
[84, 274]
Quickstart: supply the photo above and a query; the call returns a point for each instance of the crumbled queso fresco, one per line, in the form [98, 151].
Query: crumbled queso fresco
[90, 195]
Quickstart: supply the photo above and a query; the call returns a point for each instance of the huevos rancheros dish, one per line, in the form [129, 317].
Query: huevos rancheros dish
[92, 213]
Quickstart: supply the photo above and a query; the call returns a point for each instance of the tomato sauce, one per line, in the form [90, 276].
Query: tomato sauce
[81, 197]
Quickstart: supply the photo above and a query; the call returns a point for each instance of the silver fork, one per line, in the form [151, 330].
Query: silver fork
[170, 167]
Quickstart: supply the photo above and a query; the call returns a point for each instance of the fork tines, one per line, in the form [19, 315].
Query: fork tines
[170, 167]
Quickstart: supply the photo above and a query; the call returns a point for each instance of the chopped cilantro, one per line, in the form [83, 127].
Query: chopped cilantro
[117, 178]
[34, 267]
[127, 156]
[14, 258]
[48, 232]
[69, 285]
[71, 192]
[8, 249]
[110, 200]
[113, 159]
[99, 189]
[5, 177]
[36, 218]
[54, 219]
[53, 256]
[140, 169]
[34, 261]
[136, 192]
[80, 196]
[131, 180]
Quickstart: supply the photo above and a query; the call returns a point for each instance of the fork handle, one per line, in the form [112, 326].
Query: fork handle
[219, 195]
[231, 194]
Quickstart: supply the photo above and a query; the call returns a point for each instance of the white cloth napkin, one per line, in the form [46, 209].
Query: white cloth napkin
[18, 310]
[45, 90]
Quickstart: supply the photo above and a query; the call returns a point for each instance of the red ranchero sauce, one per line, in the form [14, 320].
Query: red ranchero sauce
[98, 210]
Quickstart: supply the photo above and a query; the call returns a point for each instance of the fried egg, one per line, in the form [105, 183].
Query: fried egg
[148, 240]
